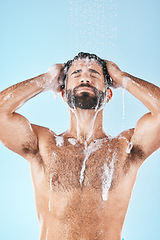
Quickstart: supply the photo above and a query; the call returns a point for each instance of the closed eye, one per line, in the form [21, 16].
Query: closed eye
[93, 76]
[76, 76]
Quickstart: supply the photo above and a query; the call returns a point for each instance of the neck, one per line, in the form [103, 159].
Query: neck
[86, 125]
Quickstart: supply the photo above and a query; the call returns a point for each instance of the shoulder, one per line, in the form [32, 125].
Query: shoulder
[121, 142]
[134, 152]
[47, 144]
[126, 136]
[44, 136]
[42, 132]
[47, 139]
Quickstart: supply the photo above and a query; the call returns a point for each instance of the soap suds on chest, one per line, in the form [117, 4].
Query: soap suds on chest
[108, 171]
[59, 141]
[72, 141]
[94, 146]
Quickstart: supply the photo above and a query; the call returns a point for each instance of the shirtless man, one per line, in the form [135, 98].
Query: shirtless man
[83, 178]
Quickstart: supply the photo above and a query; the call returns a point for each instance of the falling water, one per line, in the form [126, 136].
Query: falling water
[50, 192]
[93, 146]
[94, 26]
[107, 178]
[46, 234]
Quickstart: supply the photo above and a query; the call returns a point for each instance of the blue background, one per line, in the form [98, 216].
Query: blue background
[36, 34]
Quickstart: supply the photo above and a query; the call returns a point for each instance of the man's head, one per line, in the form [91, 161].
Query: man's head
[86, 81]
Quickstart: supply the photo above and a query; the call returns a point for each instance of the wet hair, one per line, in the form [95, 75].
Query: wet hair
[82, 55]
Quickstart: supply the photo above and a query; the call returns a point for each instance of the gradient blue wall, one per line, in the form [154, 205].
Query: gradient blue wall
[36, 34]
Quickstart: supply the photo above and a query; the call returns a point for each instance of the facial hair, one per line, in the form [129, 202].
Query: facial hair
[85, 100]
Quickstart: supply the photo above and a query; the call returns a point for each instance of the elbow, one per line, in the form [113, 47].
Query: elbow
[5, 109]
[155, 108]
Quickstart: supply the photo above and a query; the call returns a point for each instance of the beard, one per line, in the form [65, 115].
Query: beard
[85, 100]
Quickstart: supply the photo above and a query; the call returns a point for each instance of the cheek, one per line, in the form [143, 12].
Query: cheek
[67, 84]
[71, 83]
[100, 85]
[103, 84]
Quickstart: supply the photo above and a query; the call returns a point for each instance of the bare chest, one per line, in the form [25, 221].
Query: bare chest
[69, 166]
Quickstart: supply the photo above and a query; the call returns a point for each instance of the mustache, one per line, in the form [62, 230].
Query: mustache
[85, 85]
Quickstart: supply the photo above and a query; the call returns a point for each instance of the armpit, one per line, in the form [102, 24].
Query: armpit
[134, 156]
[32, 149]
[136, 153]
[28, 150]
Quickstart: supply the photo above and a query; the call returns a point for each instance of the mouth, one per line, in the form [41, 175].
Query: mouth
[85, 89]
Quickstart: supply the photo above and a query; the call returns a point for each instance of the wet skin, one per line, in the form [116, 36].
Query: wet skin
[83, 181]
[84, 72]
[88, 93]
[70, 210]
[67, 207]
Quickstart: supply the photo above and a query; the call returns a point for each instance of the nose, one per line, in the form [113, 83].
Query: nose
[85, 78]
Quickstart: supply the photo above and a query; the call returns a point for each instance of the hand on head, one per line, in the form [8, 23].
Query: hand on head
[114, 72]
[55, 75]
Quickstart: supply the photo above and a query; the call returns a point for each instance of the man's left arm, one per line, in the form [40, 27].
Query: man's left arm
[147, 131]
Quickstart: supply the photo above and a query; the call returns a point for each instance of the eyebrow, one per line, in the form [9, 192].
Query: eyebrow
[93, 71]
[77, 71]
[90, 70]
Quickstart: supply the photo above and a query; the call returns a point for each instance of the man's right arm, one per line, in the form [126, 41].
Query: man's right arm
[16, 133]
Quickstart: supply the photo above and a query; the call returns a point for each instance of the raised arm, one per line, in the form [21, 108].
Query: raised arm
[16, 133]
[147, 131]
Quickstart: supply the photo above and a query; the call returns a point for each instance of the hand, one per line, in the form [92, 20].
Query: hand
[115, 73]
[55, 77]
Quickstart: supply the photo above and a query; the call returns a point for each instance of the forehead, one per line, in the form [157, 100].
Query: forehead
[85, 64]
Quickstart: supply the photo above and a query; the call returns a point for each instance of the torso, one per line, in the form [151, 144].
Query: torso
[83, 192]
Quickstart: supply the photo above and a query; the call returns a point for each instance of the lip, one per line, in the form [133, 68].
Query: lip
[85, 89]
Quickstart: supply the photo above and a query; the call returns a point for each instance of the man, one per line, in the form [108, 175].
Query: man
[83, 178]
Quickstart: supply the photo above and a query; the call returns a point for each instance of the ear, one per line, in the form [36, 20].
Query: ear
[63, 94]
[109, 94]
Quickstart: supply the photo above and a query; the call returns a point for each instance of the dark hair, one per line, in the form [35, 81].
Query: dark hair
[82, 55]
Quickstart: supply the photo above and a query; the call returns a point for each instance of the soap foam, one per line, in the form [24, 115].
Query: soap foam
[125, 81]
[94, 146]
[129, 147]
[50, 191]
[10, 95]
[122, 137]
[54, 154]
[50, 80]
[107, 177]
[47, 234]
[72, 141]
[59, 141]
[53, 72]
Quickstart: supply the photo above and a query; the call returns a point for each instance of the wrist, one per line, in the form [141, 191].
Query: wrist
[117, 79]
[125, 79]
